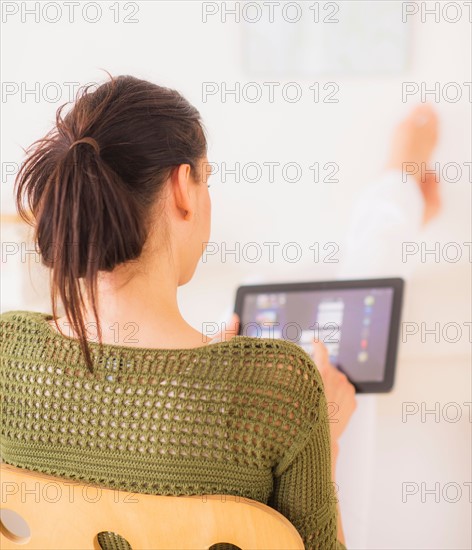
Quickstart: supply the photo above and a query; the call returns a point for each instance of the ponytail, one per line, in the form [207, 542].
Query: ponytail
[90, 196]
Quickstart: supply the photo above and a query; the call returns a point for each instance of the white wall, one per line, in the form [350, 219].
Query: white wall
[170, 45]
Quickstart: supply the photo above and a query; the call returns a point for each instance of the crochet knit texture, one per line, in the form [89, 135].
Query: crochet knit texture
[247, 417]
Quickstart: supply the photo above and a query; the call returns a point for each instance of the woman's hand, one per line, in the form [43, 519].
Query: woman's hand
[340, 393]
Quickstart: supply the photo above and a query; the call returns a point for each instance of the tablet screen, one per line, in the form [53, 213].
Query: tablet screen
[354, 324]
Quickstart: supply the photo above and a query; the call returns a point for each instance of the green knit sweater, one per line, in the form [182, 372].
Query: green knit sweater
[247, 417]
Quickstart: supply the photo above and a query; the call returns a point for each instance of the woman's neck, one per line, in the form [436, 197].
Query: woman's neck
[138, 311]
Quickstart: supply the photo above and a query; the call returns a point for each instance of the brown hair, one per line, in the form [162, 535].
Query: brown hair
[91, 198]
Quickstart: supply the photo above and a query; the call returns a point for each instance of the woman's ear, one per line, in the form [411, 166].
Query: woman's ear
[180, 180]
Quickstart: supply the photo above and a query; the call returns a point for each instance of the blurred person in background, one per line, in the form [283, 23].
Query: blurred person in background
[394, 209]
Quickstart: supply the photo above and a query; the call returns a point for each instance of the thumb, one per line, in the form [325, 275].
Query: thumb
[232, 327]
[228, 330]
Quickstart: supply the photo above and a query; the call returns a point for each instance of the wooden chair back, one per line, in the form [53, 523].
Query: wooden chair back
[62, 513]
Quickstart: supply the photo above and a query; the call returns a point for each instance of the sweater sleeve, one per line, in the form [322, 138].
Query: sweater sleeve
[303, 490]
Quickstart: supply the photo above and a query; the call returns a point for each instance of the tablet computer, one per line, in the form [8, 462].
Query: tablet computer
[358, 321]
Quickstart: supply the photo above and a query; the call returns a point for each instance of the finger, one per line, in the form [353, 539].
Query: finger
[233, 326]
[320, 354]
[235, 320]
[229, 330]
[320, 348]
[424, 114]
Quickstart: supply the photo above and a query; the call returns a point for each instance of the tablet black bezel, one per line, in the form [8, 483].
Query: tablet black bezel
[397, 284]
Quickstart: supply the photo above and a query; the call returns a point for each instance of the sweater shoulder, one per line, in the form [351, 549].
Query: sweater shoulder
[284, 367]
[9, 320]
[272, 346]
[19, 320]
[287, 354]
[17, 315]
